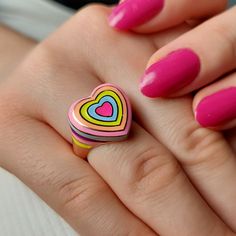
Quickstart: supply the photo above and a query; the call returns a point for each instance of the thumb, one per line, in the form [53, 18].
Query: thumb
[148, 16]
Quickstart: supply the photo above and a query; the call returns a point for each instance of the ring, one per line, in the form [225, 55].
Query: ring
[105, 116]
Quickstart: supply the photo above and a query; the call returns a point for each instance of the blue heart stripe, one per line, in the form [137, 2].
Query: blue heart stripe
[112, 101]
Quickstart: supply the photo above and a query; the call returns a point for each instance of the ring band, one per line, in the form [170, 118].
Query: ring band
[104, 116]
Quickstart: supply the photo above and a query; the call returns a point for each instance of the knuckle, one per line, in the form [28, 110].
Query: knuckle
[80, 192]
[28, 85]
[151, 172]
[92, 17]
[203, 147]
[88, 33]
[42, 75]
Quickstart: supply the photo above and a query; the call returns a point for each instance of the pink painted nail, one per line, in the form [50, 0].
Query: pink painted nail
[217, 109]
[170, 74]
[132, 13]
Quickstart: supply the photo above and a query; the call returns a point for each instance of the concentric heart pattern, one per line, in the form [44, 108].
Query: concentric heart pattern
[105, 116]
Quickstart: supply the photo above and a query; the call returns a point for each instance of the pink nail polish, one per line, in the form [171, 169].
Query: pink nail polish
[170, 74]
[132, 13]
[217, 109]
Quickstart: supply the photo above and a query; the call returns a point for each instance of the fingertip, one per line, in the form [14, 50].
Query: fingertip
[217, 110]
[133, 13]
[171, 73]
[115, 18]
[147, 87]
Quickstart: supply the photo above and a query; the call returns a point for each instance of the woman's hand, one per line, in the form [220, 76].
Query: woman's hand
[134, 187]
[196, 59]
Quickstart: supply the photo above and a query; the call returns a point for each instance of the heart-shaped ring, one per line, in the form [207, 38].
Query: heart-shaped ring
[104, 116]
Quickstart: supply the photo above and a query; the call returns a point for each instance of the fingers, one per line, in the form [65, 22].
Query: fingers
[192, 60]
[151, 184]
[83, 79]
[62, 93]
[155, 15]
[46, 163]
[214, 106]
[163, 118]
[205, 155]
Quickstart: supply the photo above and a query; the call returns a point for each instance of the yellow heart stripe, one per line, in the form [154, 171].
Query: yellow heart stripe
[79, 144]
[86, 116]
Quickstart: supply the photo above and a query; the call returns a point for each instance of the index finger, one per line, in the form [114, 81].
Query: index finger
[155, 15]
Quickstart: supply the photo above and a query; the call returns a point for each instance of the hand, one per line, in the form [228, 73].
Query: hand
[199, 150]
[196, 59]
[150, 190]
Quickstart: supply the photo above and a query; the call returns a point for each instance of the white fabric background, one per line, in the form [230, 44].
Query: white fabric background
[22, 213]
[35, 18]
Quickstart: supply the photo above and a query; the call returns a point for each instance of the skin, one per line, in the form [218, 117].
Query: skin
[13, 47]
[183, 10]
[173, 178]
[214, 65]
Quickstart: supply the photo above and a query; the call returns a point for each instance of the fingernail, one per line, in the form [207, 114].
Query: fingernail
[217, 109]
[170, 74]
[132, 13]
